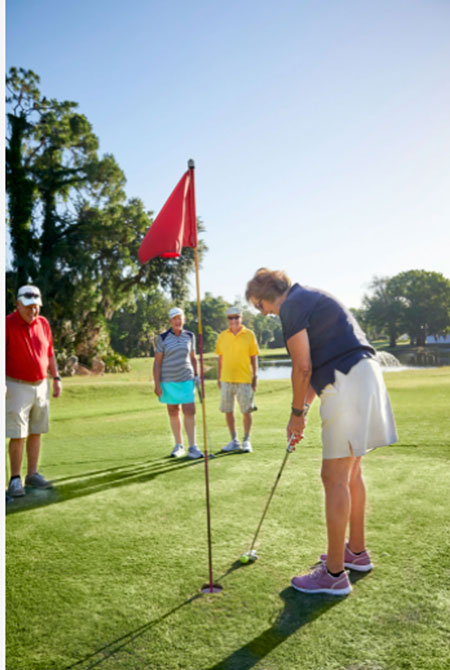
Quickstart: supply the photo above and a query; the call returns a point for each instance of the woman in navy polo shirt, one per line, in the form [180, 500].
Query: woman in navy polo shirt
[174, 372]
[331, 358]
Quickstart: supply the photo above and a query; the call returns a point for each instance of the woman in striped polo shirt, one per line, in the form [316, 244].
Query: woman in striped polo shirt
[174, 373]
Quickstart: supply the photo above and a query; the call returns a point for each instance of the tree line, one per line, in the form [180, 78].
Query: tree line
[415, 303]
[411, 304]
[75, 234]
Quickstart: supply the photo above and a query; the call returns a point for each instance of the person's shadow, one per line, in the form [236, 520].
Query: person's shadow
[299, 610]
[88, 483]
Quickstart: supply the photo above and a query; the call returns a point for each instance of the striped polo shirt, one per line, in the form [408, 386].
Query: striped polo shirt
[176, 350]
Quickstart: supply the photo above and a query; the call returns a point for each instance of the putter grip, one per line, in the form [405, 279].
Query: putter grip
[290, 447]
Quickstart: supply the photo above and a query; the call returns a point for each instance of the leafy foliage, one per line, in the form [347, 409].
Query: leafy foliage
[416, 302]
[73, 232]
[383, 310]
[134, 329]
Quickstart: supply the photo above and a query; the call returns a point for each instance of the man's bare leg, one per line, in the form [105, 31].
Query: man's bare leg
[16, 446]
[33, 451]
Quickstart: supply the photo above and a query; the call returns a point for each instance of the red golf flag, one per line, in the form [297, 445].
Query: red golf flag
[175, 226]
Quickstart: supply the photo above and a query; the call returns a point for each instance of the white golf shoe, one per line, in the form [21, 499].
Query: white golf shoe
[177, 451]
[234, 445]
[194, 452]
[247, 447]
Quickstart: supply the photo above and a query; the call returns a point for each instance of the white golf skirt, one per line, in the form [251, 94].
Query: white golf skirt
[356, 412]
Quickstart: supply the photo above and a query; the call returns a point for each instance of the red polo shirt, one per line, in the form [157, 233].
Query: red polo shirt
[27, 347]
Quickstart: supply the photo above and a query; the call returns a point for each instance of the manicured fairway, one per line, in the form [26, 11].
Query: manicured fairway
[106, 571]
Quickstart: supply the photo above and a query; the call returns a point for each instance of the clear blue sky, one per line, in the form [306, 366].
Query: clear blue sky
[320, 129]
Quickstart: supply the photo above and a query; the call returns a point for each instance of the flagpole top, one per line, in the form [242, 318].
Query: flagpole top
[191, 164]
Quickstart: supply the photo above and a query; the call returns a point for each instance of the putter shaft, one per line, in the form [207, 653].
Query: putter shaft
[288, 451]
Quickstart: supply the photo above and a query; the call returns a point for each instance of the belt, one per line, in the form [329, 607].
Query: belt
[22, 381]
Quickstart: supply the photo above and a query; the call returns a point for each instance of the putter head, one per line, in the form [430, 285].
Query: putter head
[248, 557]
[253, 407]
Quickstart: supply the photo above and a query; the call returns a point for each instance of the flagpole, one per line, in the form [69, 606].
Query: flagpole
[212, 586]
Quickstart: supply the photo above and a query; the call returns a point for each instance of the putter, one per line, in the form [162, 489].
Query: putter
[253, 407]
[251, 556]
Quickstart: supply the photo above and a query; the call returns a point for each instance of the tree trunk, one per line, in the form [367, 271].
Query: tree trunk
[20, 189]
[48, 250]
[421, 339]
[392, 338]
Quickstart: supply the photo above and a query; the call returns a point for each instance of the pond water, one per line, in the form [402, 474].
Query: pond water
[280, 368]
[274, 369]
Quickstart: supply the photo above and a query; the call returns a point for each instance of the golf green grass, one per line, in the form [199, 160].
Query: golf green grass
[106, 570]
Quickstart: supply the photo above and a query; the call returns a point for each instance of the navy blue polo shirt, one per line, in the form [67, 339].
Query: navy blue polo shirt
[335, 337]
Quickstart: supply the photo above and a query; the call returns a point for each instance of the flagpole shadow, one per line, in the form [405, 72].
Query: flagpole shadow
[102, 654]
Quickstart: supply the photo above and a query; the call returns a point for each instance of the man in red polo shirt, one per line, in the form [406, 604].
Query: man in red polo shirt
[29, 356]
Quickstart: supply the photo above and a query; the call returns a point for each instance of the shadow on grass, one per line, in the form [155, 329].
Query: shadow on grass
[100, 655]
[67, 488]
[299, 610]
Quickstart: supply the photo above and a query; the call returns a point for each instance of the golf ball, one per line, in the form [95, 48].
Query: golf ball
[244, 558]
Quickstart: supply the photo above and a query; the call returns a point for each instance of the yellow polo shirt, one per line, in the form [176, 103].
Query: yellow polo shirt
[236, 351]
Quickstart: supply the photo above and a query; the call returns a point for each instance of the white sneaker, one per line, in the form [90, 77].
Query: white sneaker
[194, 452]
[177, 451]
[15, 488]
[247, 447]
[234, 445]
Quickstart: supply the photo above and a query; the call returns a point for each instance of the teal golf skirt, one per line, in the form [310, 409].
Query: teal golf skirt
[177, 393]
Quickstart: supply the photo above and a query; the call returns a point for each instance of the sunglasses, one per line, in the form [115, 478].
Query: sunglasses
[231, 318]
[28, 296]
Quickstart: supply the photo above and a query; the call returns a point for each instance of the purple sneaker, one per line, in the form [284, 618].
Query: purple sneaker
[320, 581]
[359, 562]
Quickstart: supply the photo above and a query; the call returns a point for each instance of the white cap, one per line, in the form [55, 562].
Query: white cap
[175, 311]
[29, 295]
[231, 311]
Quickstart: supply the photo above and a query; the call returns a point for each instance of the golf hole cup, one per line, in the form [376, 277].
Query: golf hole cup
[211, 588]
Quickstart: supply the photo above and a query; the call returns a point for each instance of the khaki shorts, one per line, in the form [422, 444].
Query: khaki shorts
[243, 393]
[27, 408]
[356, 411]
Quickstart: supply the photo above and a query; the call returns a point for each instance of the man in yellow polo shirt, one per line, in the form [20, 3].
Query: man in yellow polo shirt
[238, 351]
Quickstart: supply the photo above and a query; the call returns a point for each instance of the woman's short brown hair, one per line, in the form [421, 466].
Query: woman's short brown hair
[268, 284]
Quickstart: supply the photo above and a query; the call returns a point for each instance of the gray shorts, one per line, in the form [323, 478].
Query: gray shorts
[27, 408]
[243, 393]
[356, 412]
